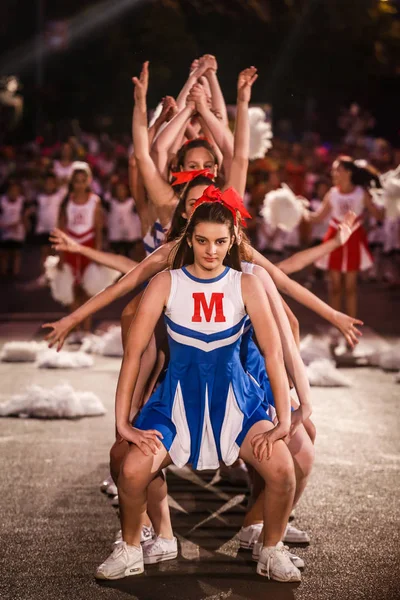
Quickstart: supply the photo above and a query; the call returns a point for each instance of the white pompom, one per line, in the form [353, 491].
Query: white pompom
[60, 402]
[61, 280]
[97, 277]
[282, 209]
[260, 133]
[51, 359]
[314, 348]
[157, 112]
[389, 195]
[21, 351]
[323, 373]
[108, 344]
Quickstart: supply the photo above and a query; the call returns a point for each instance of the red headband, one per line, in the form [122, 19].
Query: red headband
[186, 176]
[229, 198]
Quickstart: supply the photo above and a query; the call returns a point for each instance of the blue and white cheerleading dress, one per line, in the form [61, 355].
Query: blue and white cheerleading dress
[155, 236]
[206, 403]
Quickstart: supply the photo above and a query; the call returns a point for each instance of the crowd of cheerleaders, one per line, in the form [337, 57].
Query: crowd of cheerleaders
[195, 388]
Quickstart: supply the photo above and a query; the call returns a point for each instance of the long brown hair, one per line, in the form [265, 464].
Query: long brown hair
[207, 212]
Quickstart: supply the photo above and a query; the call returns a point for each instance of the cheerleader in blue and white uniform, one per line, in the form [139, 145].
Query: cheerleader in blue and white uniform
[207, 408]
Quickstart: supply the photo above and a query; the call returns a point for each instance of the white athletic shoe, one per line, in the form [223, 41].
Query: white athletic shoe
[159, 549]
[275, 563]
[115, 501]
[123, 561]
[248, 536]
[105, 483]
[296, 560]
[293, 535]
[146, 535]
[112, 489]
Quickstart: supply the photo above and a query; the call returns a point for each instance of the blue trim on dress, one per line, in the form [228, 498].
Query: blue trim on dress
[204, 337]
[193, 278]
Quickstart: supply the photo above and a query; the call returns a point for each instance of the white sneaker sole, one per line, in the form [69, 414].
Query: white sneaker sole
[246, 545]
[261, 570]
[127, 573]
[289, 539]
[151, 560]
[298, 563]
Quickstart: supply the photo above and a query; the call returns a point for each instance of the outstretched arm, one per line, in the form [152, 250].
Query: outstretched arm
[141, 330]
[149, 267]
[321, 214]
[345, 324]
[218, 101]
[300, 260]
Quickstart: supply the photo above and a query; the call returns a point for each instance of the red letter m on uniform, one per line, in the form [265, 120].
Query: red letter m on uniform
[208, 309]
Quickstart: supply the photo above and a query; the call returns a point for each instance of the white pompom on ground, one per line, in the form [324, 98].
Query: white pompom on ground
[21, 351]
[61, 281]
[323, 373]
[60, 402]
[314, 348]
[51, 359]
[390, 359]
[107, 344]
[282, 209]
[97, 277]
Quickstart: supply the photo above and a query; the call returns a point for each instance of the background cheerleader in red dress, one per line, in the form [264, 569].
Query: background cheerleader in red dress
[349, 192]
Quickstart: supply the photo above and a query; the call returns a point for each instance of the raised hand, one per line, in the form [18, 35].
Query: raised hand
[347, 326]
[60, 330]
[147, 441]
[245, 82]
[198, 95]
[209, 62]
[142, 83]
[346, 227]
[62, 242]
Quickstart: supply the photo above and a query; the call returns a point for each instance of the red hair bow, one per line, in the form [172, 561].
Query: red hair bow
[229, 198]
[186, 176]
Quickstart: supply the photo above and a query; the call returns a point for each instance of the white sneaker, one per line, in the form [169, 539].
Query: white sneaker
[293, 535]
[274, 563]
[146, 535]
[159, 549]
[105, 483]
[115, 501]
[248, 536]
[123, 561]
[296, 560]
[112, 489]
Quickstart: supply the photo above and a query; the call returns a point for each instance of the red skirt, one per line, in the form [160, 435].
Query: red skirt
[354, 255]
[77, 262]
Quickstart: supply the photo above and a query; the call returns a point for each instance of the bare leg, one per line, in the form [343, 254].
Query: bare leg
[279, 476]
[335, 289]
[350, 282]
[137, 472]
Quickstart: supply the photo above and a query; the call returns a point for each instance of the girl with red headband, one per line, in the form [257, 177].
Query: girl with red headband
[207, 409]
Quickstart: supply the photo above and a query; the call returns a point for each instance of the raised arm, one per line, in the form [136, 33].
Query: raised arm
[160, 192]
[222, 138]
[291, 355]
[164, 142]
[218, 101]
[240, 162]
[149, 267]
[197, 69]
[302, 259]
[141, 330]
[345, 324]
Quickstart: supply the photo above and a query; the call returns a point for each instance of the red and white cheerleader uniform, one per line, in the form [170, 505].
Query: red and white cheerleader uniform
[355, 254]
[80, 227]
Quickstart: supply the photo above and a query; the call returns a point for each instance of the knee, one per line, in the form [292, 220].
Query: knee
[336, 287]
[283, 478]
[131, 473]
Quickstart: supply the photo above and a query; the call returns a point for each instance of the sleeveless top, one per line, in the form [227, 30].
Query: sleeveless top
[80, 218]
[11, 212]
[123, 221]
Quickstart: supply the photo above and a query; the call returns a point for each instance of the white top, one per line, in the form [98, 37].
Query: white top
[123, 221]
[48, 208]
[61, 171]
[215, 303]
[80, 218]
[341, 203]
[11, 212]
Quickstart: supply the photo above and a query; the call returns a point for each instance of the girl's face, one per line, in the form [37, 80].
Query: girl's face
[341, 177]
[210, 242]
[79, 183]
[121, 192]
[199, 158]
[194, 194]
[50, 185]
[13, 192]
